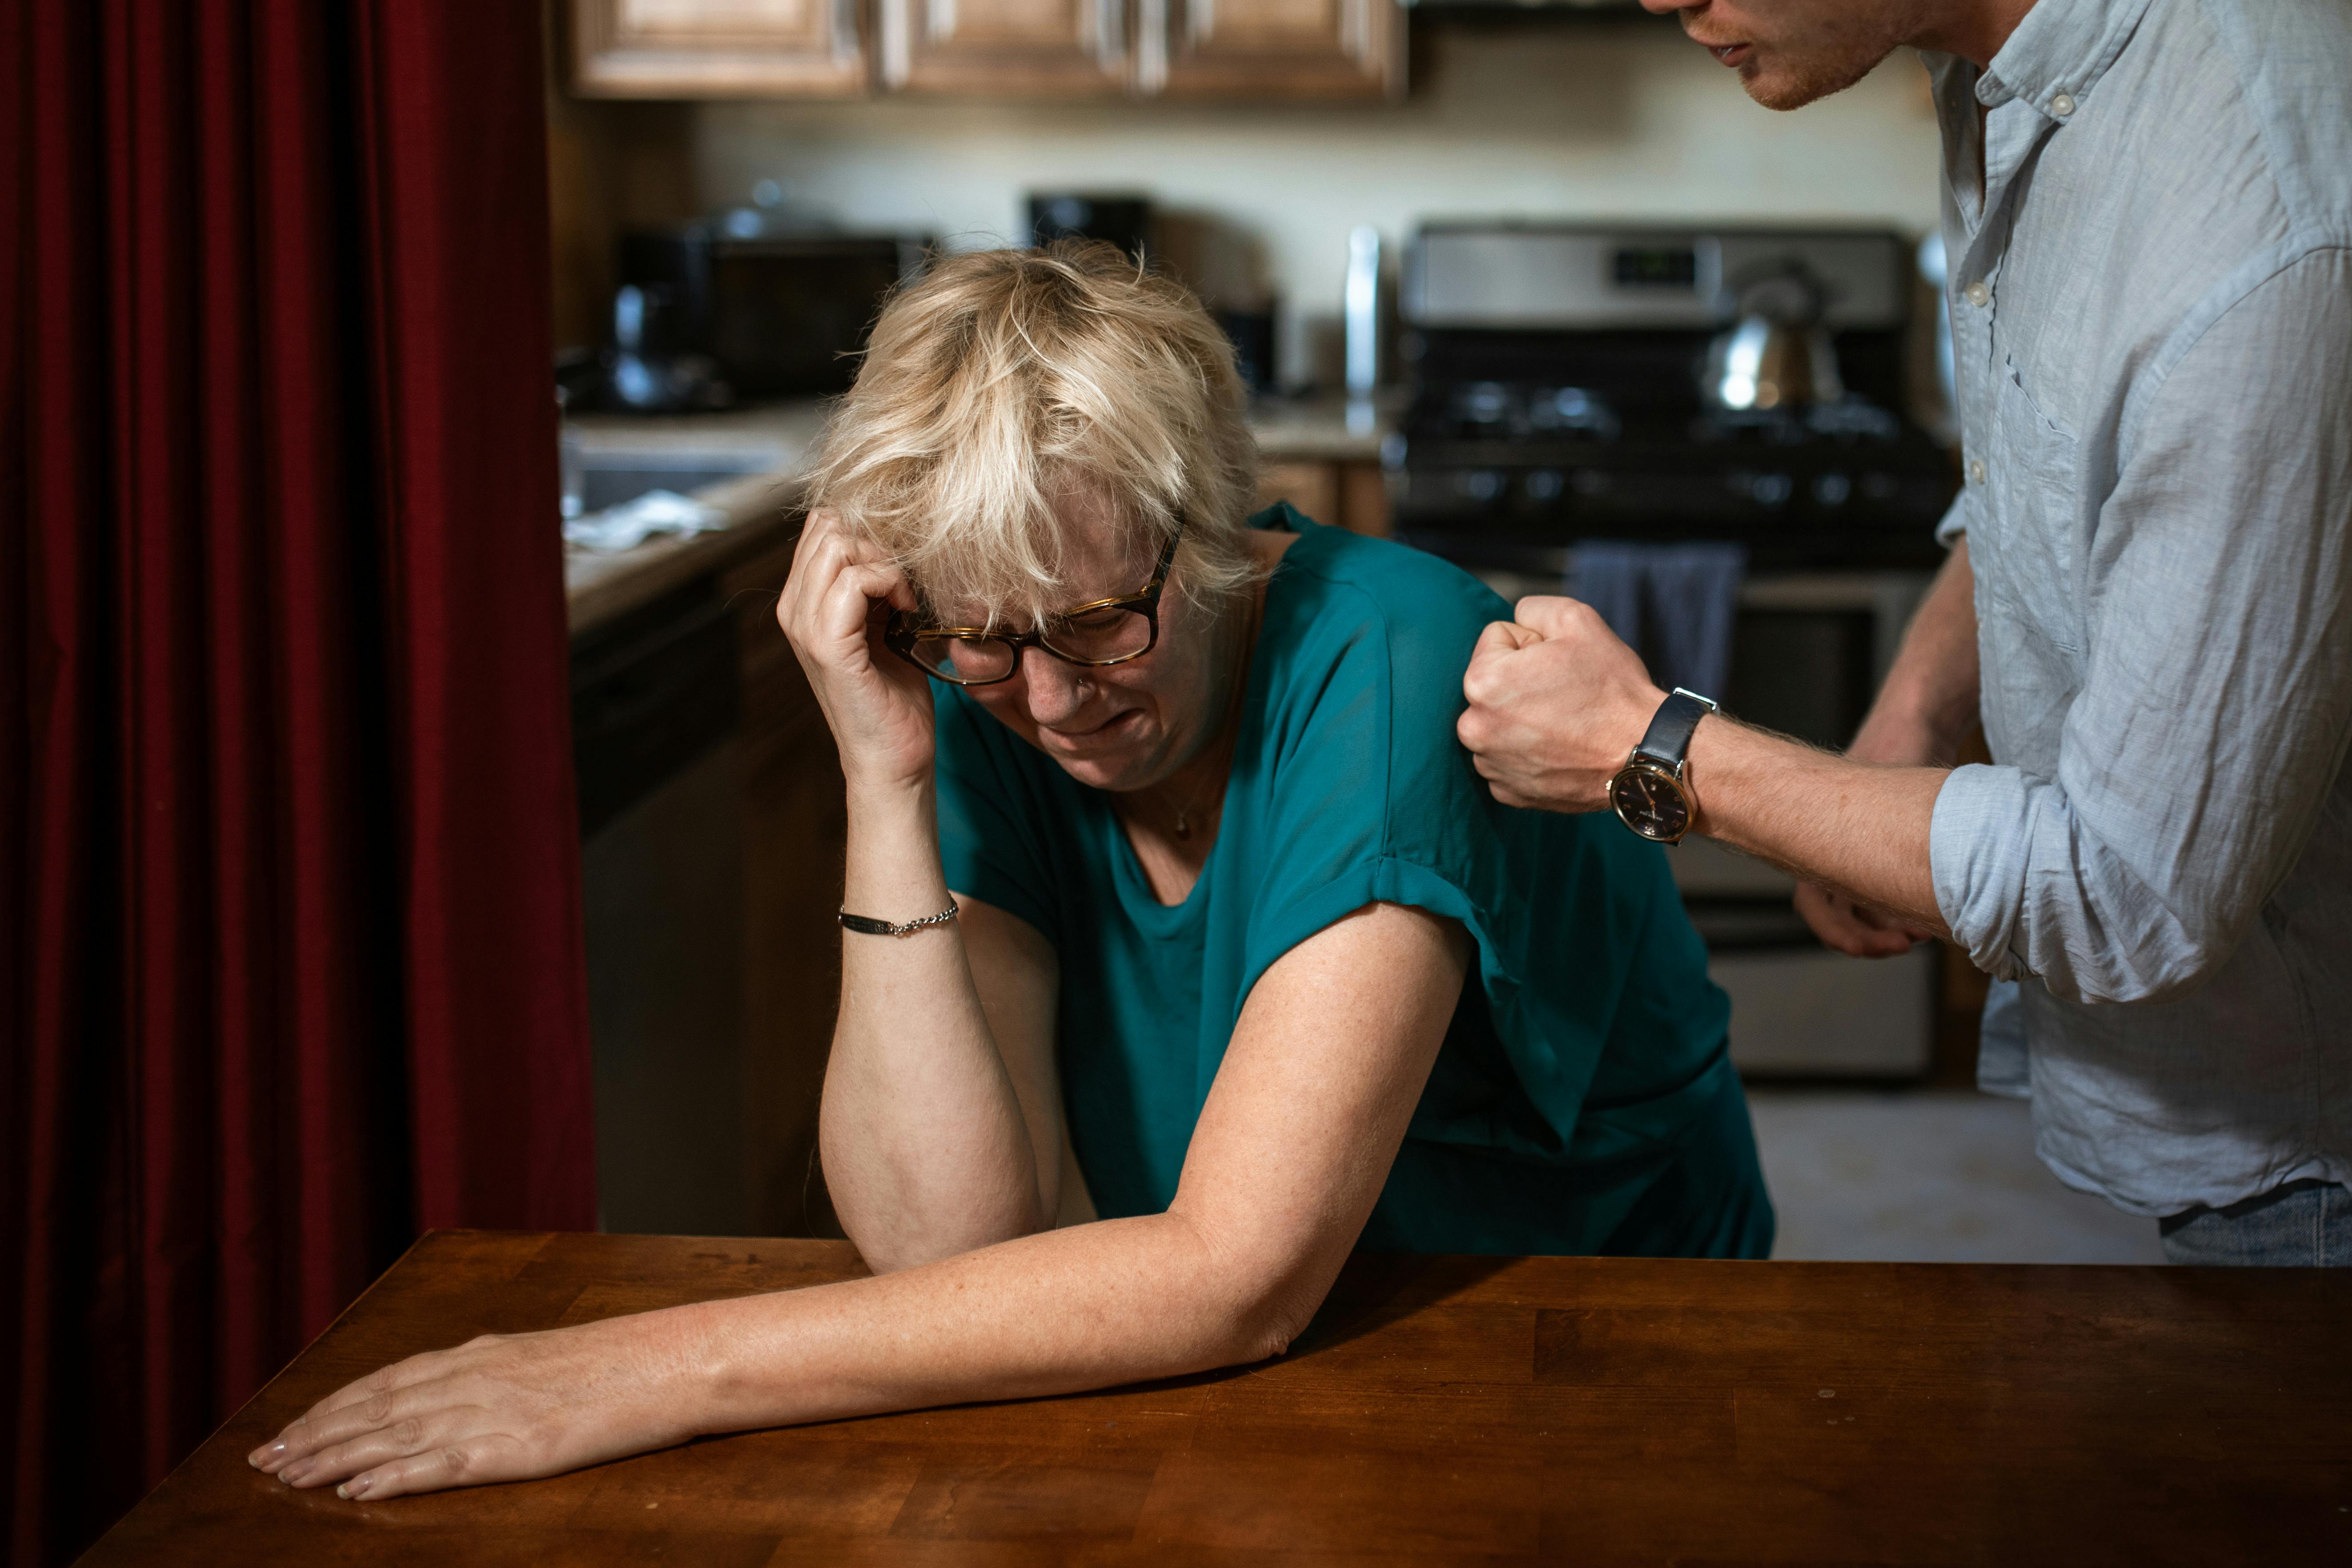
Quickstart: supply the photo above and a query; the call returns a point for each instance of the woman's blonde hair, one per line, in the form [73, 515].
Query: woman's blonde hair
[1001, 381]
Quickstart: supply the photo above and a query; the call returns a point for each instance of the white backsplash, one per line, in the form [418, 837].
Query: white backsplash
[1570, 121]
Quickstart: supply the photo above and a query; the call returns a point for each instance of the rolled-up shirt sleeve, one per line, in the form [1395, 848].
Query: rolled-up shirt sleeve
[2216, 699]
[1954, 520]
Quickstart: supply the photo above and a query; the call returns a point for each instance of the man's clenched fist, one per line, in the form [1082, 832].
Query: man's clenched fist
[1557, 704]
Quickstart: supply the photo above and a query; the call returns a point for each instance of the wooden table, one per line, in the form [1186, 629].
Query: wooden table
[1443, 1410]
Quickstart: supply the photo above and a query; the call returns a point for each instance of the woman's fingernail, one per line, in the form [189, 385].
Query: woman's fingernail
[261, 1457]
[355, 1488]
[294, 1473]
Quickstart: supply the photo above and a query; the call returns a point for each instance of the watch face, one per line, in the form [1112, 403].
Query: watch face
[1651, 802]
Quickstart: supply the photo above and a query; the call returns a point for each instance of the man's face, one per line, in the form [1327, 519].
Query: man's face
[1789, 52]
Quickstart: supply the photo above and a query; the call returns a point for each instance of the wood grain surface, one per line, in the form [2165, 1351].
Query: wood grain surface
[1443, 1410]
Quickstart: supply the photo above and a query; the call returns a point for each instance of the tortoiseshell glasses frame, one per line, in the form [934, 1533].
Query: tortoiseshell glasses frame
[911, 641]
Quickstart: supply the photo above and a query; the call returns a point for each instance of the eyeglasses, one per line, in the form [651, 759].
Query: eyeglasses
[1093, 636]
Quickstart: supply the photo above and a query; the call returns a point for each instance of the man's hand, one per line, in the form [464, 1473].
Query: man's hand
[1557, 704]
[1855, 928]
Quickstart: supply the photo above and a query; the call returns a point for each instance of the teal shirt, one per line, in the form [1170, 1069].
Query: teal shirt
[1582, 1100]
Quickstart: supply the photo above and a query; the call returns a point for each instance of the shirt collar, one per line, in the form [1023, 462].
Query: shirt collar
[2062, 48]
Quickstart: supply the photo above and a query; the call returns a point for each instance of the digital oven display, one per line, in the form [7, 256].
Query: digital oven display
[1656, 266]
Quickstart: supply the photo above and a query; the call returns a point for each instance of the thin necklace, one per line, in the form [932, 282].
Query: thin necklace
[1231, 731]
[1184, 812]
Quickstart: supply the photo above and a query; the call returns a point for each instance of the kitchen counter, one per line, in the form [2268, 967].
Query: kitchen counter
[774, 444]
[1321, 429]
[1439, 1410]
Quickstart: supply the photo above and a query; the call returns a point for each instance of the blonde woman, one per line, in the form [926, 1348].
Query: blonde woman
[1170, 899]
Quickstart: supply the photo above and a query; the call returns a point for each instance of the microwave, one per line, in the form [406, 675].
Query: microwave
[782, 316]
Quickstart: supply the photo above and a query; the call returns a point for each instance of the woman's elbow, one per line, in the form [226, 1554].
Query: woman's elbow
[1238, 1335]
[899, 1225]
[1265, 1327]
[1254, 1307]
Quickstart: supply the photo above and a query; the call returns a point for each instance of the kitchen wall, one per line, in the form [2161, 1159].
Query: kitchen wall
[1580, 121]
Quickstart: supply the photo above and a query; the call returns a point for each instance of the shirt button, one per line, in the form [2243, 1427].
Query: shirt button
[2061, 106]
[1975, 470]
[1980, 294]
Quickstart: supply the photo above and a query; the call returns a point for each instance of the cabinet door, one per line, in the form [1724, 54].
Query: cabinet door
[1275, 48]
[1310, 486]
[718, 49]
[795, 825]
[1352, 495]
[1007, 49]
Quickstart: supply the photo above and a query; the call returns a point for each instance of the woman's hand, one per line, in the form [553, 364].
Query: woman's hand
[504, 1407]
[833, 608]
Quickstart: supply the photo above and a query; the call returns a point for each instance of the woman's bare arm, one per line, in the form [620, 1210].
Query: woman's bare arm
[1289, 1155]
[933, 1142]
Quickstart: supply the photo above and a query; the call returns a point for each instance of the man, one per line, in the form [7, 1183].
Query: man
[2147, 206]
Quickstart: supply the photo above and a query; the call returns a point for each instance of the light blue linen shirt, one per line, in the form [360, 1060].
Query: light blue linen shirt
[2151, 297]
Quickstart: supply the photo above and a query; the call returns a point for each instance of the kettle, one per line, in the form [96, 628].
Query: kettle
[1778, 354]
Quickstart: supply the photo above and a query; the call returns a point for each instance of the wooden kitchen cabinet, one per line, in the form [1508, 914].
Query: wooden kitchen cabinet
[795, 825]
[1352, 495]
[719, 49]
[1340, 50]
[1271, 50]
[1007, 49]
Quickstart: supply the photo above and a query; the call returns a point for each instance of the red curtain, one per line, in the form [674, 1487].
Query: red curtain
[289, 941]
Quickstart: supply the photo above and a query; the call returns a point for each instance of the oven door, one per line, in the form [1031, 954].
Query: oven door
[1799, 1009]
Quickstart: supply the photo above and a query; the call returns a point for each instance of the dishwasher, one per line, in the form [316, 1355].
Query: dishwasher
[656, 703]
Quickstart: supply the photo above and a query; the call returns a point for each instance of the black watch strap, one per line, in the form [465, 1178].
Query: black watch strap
[1669, 739]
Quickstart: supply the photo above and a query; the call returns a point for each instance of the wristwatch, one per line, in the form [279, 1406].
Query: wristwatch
[1648, 792]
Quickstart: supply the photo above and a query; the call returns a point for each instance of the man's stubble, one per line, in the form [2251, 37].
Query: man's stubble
[1830, 45]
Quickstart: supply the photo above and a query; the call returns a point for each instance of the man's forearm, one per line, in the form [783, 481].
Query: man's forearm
[1858, 824]
[1858, 828]
[1929, 698]
[1556, 703]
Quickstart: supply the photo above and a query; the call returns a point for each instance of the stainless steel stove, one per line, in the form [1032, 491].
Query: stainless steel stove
[1558, 377]
[1572, 383]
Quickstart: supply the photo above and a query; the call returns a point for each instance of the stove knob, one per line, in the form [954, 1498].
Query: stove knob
[1772, 489]
[1479, 484]
[1833, 490]
[1545, 484]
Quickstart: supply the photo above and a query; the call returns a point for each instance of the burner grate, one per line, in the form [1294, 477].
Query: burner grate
[1512, 411]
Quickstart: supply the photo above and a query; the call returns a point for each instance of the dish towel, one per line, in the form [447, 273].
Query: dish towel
[2004, 1063]
[630, 524]
[1674, 604]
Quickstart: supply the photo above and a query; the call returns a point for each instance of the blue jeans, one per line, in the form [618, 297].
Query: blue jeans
[2304, 1224]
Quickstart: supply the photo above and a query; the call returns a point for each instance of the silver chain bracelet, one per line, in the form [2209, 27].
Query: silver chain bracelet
[866, 925]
